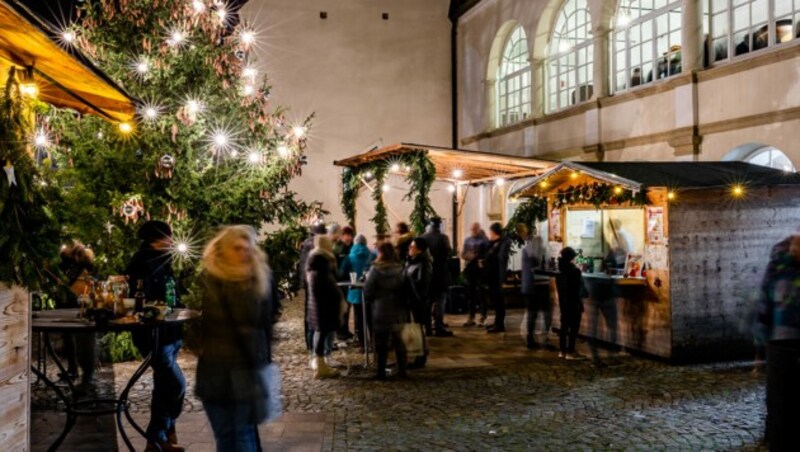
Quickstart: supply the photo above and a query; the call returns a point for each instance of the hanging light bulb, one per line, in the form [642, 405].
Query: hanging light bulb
[737, 191]
[395, 168]
[500, 182]
[451, 188]
[458, 173]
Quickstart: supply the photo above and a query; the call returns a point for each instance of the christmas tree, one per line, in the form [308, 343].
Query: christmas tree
[207, 148]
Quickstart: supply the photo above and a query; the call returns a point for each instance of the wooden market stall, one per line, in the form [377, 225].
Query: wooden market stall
[64, 77]
[673, 252]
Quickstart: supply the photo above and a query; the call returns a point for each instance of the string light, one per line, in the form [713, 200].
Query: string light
[247, 37]
[737, 191]
[249, 72]
[176, 38]
[182, 248]
[299, 131]
[142, 66]
[573, 176]
[125, 127]
[451, 188]
[198, 6]
[617, 190]
[283, 151]
[458, 173]
[543, 184]
[193, 106]
[150, 113]
[500, 182]
[234, 153]
[100, 134]
[395, 168]
[40, 140]
[221, 139]
[671, 196]
[386, 188]
[29, 89]
[68, 36]
[248, 90]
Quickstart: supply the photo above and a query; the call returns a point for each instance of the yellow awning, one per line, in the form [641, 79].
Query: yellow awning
[65, 77]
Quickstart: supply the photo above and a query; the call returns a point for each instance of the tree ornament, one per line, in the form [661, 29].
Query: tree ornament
[165, 167]
[139, 154]
[12, 178]
[132, 210]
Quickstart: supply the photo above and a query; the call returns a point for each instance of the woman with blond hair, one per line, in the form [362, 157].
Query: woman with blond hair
[236, 337]
[324, 301]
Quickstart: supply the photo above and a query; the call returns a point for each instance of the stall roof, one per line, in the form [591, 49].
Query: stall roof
[475, 166]
[676, 175]
[65, 77]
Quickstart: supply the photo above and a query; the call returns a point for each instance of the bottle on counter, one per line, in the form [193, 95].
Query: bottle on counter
[139, 296]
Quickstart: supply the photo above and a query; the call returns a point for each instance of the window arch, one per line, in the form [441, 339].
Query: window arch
[738, 27]
[771, 157]
[647, 42]
[570, 57]
[514, 80]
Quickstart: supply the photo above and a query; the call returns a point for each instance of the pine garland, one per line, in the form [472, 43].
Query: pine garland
[420, 180]
[599, 194]
[530, 212]
[381, 217]
[351, 180]
[29, 231]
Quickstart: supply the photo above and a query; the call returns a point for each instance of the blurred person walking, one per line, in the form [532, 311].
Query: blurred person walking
[473, 251]
[324, 302]
[440, 250]
[495, 268]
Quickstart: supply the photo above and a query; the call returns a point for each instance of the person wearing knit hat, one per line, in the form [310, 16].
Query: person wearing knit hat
[152, 265]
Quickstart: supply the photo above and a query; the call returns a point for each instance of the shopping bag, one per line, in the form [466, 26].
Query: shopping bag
[411, 334]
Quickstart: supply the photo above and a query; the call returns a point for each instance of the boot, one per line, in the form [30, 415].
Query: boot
[172, 436]
[323, 370]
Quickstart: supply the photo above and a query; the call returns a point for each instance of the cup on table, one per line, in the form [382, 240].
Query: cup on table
[129, 304]
[353, 277]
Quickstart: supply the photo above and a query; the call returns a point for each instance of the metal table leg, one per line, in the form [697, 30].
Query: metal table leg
[124, 407]
[367, 332]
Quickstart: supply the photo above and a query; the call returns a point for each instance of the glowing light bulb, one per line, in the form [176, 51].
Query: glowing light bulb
[254, 157]
[248, 90]
[220, 139]
[247, 37]
[176, 38]
[671, 195]
[182, 248]
[451, 188]
[458, 173]
[40, 140]
[198, 6]
[283, 151]
[125, 127]
[29, 89]
[299, 131]
[142, 67]
[386, 188]
[249, 72]
[500, 182]
[395, 168]
[234, 153]
[68, 36]
[192, 106]
[573, 176]
[617, 190]
[222, 13]
[100, 134]
[737, 191]
[543, 184]
[150, 113]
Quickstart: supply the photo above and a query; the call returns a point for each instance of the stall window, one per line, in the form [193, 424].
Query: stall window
[610, 234]
[738, 27]
[570, 55]
[771, 157]
[646, 42]
[514, 80]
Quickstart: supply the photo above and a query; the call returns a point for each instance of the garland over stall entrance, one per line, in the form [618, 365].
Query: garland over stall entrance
[421, 165]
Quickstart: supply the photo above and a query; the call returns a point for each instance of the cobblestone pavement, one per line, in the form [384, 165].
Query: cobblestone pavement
[480, 392]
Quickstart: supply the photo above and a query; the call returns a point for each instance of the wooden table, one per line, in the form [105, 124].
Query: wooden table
[67, 321]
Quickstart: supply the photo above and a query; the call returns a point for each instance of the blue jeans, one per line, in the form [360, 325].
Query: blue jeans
[169, 388]
[233, 431]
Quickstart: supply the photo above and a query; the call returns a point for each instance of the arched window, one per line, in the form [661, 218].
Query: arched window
[738, 27]
[647, 42]
[569, 61]
[771, 157]
[514, 80]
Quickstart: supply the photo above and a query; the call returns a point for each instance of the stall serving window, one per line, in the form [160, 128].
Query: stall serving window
[606, 234]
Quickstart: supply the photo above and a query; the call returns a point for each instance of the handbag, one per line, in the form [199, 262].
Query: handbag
[411, 335]
[267, 377]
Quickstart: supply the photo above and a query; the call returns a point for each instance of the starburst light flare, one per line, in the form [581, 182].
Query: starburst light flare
[299, 131]
[41, 140]
[198, 6]
[185, 247]
[283, 151]
[176, 37]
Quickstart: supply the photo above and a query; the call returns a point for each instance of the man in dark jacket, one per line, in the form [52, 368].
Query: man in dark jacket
[495, 267]
[571, 292]
[440, 249]
[472, 252]
[305, 249]
[152, 265]
[418, 271]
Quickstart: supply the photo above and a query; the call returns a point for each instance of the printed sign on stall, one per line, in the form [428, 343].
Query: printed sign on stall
[655, 225]
[555, 225]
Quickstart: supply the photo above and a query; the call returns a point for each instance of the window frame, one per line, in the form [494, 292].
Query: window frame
[555, 58]
[769, 150]
[730, 36]
[625, 30]
[522, 108]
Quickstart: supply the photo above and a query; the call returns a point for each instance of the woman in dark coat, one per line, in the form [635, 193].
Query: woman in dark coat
[571, 292]
[418, 271]
[324, 301]
[236, 339]
[385, 294]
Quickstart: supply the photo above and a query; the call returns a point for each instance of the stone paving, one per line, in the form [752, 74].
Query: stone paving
[480, 392]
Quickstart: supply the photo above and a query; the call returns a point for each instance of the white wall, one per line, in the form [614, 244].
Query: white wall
[369, 81]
